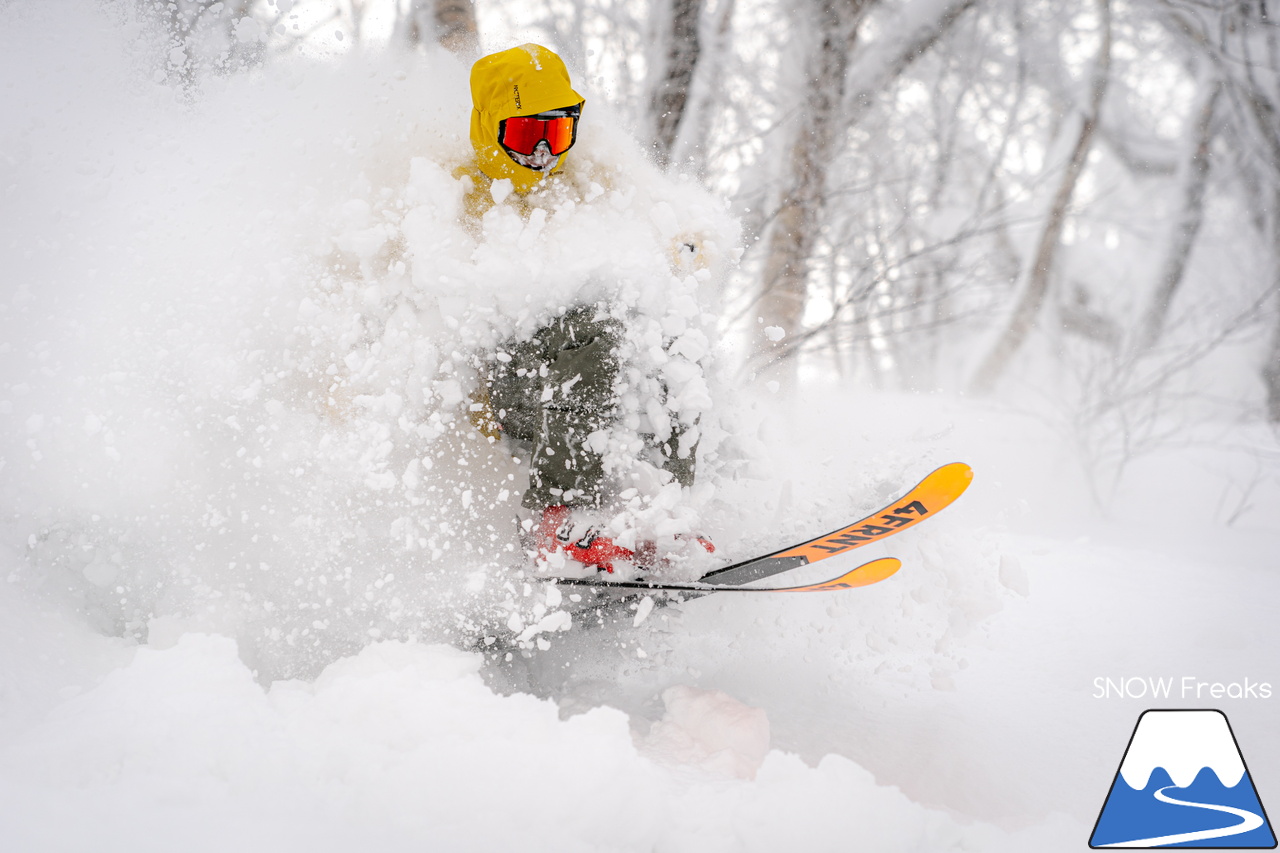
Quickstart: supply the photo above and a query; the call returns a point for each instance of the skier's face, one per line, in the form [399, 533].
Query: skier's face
[536, 142]
[540, 160]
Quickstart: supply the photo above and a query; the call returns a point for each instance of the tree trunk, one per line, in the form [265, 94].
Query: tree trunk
[1271, 367]
[916, 28]
[690, 146]
[1195, 178]
[1271, 377]
[838, 95]
[451, 23]
[1038, 274]
[671, 94]
[456, 26]
[792, 236]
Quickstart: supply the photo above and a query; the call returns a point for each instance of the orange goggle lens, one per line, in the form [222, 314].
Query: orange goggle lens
[523, 133]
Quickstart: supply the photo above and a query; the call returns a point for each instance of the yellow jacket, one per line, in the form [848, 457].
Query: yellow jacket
[522, 81]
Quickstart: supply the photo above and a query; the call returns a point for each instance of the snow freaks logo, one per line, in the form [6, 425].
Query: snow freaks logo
[1183, 782]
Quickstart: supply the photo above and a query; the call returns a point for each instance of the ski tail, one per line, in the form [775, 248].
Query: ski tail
[864, 575]
[934, 492]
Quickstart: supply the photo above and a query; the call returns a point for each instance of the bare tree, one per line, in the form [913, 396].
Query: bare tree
[837, 94]
[680, 50]
[691, 145]
[1037, 276]
[451, 23]
[1271, 363]
[833, 27]
[1186, 225]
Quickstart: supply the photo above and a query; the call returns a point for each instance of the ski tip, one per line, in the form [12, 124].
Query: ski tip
[864, 575]
[958, 474]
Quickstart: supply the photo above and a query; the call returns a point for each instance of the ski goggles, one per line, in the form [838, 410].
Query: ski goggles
[523, 133]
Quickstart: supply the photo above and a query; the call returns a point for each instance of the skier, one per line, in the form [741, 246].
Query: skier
[554, 390]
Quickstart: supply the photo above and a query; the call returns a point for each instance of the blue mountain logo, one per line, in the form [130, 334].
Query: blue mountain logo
[1183, 783]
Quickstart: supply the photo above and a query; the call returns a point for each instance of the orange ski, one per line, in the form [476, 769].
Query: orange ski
[864, 575]
[935, 492]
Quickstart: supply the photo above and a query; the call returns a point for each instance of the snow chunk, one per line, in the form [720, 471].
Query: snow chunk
[431, 663]
[249, 31]
[501, 189]
[643, 610]
[1013, 575]
[710, 730]
[556, 620]
[664, 218]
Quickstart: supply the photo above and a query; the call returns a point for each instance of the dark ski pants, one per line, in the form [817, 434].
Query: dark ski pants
[553, 391]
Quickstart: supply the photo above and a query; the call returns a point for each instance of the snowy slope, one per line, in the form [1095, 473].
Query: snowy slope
[245, 528]
[835, 720]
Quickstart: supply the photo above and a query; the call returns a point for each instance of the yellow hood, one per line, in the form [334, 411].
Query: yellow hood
[522, 81]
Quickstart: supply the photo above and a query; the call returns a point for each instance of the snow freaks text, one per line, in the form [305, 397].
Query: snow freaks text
[1186, 687]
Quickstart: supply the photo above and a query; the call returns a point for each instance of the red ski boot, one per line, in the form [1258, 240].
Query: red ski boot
[568, 535]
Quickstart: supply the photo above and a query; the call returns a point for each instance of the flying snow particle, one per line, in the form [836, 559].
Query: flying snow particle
[500, 189]
[249, 31]
[643, 611]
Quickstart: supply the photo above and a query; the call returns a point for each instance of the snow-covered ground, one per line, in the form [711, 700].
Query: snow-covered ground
[952, 707]
[238, 567]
